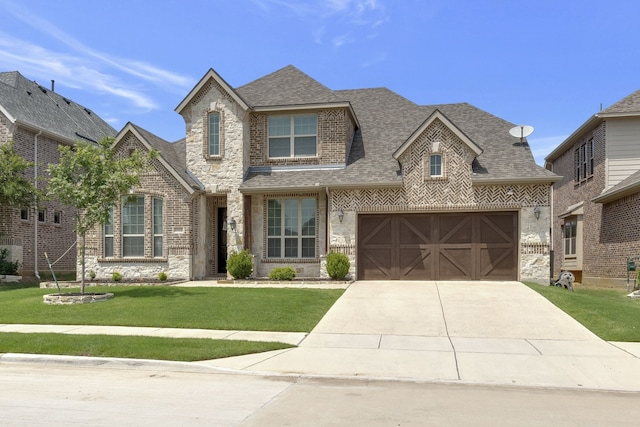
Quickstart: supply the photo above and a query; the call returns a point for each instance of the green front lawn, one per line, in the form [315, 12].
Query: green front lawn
[251, 309]
[608, 313]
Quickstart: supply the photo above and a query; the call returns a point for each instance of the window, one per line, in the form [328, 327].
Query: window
[301, 142]
[108, 236]
[57, 217]
[570, 231]
[133, 227]
[42, 215]
[291, 228]
[157, 228]
[583, 161]
[435, 165]
[214, 134]
[24, 214]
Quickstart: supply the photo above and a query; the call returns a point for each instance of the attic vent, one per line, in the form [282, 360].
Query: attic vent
[68, 101]
[43, 89]
[29, 93]
[88, 111]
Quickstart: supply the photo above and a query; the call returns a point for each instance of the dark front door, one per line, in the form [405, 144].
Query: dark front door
[465, 246]
[221, 233]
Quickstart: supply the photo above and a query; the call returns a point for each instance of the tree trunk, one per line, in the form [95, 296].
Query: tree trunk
[82, 252]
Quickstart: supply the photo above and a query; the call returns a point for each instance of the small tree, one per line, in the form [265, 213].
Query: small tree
[15, 189]
[92, 179]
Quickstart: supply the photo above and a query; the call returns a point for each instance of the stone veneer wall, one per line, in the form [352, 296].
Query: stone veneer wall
[55, 239]
[223, 175]
[157, 182]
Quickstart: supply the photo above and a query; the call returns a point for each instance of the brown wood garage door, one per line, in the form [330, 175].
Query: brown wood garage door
[464, 246]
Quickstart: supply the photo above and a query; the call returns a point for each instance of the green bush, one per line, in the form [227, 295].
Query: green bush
[92, 274]
[240, 264]
[163, 276]
[282, 273]
[116, 276]
[337, 265]
[8, 267]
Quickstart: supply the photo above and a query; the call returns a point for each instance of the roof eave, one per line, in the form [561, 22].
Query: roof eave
[318, 187]
[523, 180]
[567, 143]
[617, 194]
[322, 105]
[45, 132]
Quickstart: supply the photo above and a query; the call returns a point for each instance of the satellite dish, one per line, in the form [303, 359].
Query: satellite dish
[521, 131]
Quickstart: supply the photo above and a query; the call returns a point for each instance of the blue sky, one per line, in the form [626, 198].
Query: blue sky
[550, 64]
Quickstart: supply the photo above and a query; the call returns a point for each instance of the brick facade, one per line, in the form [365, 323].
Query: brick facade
[56, 239]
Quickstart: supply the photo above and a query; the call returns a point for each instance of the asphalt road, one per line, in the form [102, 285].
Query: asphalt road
[50, 395]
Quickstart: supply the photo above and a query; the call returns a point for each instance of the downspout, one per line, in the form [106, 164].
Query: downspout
[35, 217]
[328, 217]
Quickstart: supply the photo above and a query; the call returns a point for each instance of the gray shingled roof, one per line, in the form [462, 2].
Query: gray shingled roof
[287, 86]
[173, 153]
[629, 185]
[628, 104]
[33, 105]
[386, 121]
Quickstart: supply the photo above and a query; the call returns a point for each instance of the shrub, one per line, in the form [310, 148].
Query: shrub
[240, 264]
[116, 276]
[163, 276]
[92, 274]
[282, 273]
[337, 265]
[8, 267]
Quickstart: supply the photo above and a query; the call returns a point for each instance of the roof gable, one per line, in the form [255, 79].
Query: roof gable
[630, 104]
[287, 86]
[437, 115]
[170, 155]
[211, 75]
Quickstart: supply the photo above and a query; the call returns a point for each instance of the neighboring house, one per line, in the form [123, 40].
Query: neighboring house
[596, 205]
[38, 120]
[292, 170]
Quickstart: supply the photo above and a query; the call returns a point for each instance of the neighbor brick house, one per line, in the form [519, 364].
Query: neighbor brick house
[596, 205]
[38, 120]
[292, 170]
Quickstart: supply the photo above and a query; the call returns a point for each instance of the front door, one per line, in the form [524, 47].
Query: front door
[221, 233]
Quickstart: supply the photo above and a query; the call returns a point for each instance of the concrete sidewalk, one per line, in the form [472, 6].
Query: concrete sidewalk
[499, 333]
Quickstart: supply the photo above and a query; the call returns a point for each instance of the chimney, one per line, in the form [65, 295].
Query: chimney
[53, 83]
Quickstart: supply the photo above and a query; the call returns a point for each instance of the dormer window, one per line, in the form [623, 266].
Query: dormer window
[293, 136]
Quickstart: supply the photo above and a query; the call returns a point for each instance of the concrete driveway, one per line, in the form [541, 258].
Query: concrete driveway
[468, 332]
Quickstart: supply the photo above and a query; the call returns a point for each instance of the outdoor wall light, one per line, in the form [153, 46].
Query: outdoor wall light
[232, 224]
[340, 216]
[536, 212]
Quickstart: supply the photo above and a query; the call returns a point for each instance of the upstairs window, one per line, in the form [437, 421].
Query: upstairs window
[42, 215]
[583, 161]
[57, 217]
[214, 134]
[435, 165]
[293, 136]
[24, 214]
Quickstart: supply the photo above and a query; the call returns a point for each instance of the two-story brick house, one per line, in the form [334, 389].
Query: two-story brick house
[291, 170]
[38, 120]
[596, 205]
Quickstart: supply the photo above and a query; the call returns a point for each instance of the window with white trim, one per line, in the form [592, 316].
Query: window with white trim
[291, 228]
[293, 136]
[570, 229]
[108, 236]
[157, 228]
[133, 227]
[435, 165]
[214, 133]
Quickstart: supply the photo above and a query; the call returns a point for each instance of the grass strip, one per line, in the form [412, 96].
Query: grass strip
[133, 347]
[249, 309]
[608, 313]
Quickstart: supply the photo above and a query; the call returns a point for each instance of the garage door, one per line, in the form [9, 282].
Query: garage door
[464, 246]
